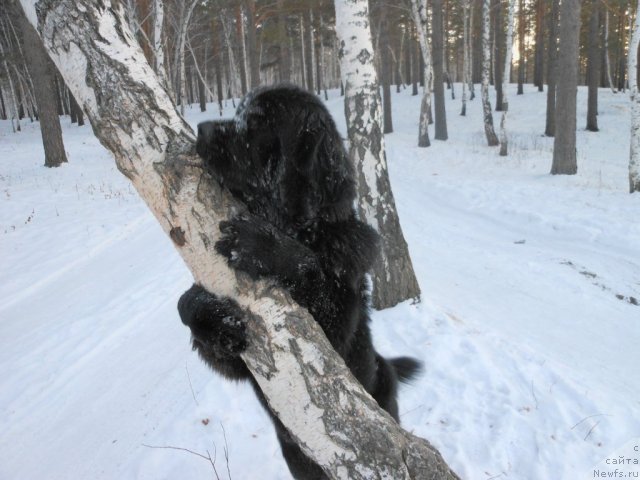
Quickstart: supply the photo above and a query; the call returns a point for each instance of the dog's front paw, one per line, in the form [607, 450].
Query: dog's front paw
[248, 245]
[217, 324]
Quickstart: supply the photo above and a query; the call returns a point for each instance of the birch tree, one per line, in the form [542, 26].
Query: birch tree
[564, 144]
[634, 154]
[506, 78]
[492, 138]
[393, 276]
[158, 45]
[322, 405]
[419, 10]
[607, 60]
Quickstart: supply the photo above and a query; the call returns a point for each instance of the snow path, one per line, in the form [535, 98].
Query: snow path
[531, 359]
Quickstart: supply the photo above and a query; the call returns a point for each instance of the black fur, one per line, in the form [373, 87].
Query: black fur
[283, 157]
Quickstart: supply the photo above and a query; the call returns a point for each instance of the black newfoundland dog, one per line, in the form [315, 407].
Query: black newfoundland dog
[283, 157]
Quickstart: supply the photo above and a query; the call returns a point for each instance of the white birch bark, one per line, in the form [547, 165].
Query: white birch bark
[489, 131]
[306, 383]
[182, 39]
[419, 10]
[393, 276]
[506, 79]
[158, 45]
[632, 62]
[607, 61]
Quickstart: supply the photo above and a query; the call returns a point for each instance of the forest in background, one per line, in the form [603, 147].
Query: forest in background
[212, 51]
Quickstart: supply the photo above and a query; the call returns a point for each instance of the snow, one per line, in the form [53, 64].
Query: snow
[531, 359]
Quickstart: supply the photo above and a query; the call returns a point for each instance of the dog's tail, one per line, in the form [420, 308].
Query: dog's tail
[406, 368]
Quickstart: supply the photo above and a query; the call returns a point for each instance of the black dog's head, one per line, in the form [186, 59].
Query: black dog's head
[282, 155]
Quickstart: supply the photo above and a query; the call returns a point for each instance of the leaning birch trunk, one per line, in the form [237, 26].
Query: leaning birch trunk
[305, 382]
[393, 276]
[490, 133]
[419, 9]
[506, 79]
[634, 154]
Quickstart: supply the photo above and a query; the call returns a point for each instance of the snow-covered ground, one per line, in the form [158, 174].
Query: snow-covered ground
[527, 325]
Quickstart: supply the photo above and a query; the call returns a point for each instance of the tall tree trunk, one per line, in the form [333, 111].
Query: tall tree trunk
[538, 74]
[621, 57]
[77, 111]
[43, 75]
[477, 54]
[284, 62]
[393, 276]
[412, 61]
[607, 60]
[564, 145]
[385, 70]
[217, 46]
[12, 100]
[499, 42]
[593, 66]
[3, 107]
[242, 61]
[465, 55]
[419, 9]
[158, 47]
[321, 58]
[521, 51]
[232, 64]
[310, 47]
[438, 74]
[634, 153]
[303, 53]
[73, 112]
[167, 173]
[185, 20]
[472, 56]
[252, 44]
[492, 138]
[504, 141]
[552, 69]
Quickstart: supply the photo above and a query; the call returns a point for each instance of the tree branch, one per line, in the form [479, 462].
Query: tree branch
[305, 382]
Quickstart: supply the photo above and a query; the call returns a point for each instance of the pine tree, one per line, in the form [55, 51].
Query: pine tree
[564, 145]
